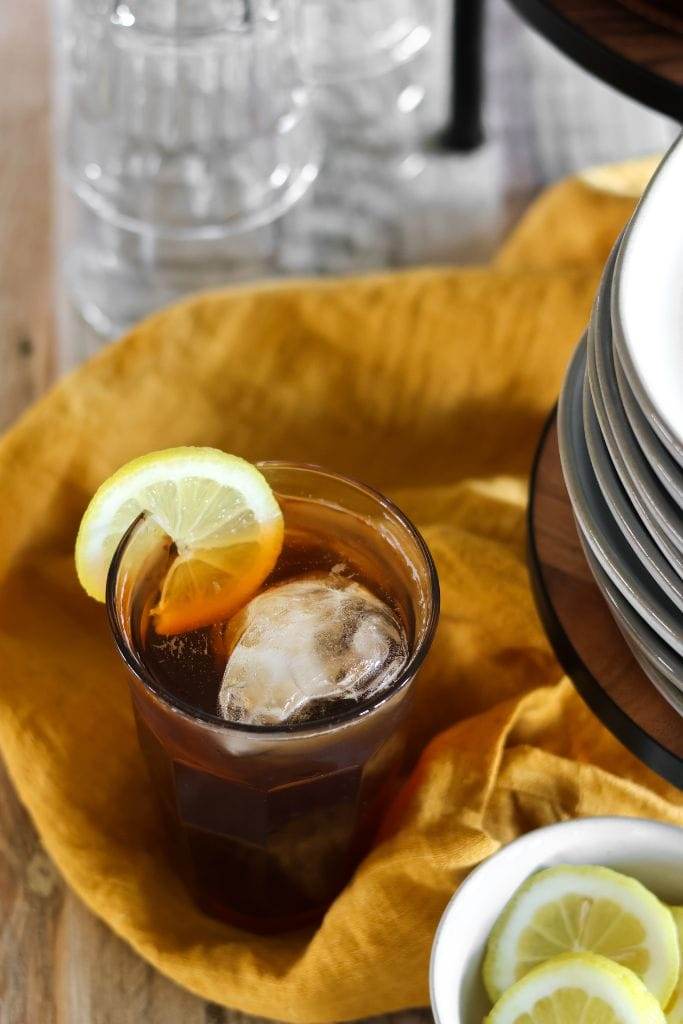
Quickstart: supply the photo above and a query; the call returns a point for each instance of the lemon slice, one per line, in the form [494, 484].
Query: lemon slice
[578, 988]
[576, 909]
[674, 1009]
[218, 510]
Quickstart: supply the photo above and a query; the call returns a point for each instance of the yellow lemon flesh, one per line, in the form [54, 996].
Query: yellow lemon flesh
[573, 909]
[577, 988]
[674, 1009]
[218, 510]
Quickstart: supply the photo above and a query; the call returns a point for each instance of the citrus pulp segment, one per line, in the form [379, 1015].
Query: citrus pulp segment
[577, 988]
[218, 510]
[583, 909]
[674, 1009]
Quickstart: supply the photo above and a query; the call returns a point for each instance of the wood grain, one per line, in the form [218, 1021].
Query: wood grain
[665, 13]
[643, 32]
[636, 45]
[25, 293]
[588, 640]
[59, 964]
[99, 980]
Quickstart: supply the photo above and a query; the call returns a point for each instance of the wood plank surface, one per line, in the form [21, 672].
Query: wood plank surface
[25, 200]
[58, 964]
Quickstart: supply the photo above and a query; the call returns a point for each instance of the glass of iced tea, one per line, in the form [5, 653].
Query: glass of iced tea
[275, 739]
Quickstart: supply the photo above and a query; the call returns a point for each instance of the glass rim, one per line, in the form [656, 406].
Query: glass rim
[326, 723]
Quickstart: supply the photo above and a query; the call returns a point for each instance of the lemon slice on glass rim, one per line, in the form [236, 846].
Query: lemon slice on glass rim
[577, 988]
[218, 510]
[574, 909]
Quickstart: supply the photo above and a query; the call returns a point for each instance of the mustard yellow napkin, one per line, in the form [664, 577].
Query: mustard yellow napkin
[432, 385]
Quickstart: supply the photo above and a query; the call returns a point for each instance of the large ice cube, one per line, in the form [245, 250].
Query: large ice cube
[306, 641]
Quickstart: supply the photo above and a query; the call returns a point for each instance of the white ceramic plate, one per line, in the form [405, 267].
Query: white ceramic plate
[644, 510]
[647, 302]
[671, 694]
[636, 536]
[667, 469]
[647, 850]
[662, 665]
[654, 504]
[668, 538]
[595, 520]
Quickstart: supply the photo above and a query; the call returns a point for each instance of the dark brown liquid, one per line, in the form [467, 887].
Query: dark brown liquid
[269, 832]
[318, 540]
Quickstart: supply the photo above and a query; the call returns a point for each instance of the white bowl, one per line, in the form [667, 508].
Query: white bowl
[648, 850]
[647, 302]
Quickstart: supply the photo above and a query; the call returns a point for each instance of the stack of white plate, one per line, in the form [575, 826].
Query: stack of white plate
[621, 432]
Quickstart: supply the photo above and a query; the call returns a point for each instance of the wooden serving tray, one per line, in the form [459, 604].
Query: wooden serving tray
[635, 45]
[583, 633]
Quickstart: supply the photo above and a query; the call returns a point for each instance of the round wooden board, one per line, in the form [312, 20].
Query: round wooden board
[582, 631]
[635, 45]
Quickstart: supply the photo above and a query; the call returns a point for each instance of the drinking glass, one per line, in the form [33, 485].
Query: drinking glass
[269, 822]
[183, 129]
[367, 64]
[357, 39]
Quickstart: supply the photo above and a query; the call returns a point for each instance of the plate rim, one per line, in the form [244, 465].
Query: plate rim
[656, 416]
[651, 750]
[648, 516]
[636, 535]
[650, 492]
[665, 618]
[656, 454]
[644, 635]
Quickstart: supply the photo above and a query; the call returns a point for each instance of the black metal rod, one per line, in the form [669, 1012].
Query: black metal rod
[464, 130]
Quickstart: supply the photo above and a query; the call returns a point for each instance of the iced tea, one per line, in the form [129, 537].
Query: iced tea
[275, 739]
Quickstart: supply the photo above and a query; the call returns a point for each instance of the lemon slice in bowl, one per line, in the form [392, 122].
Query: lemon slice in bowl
[583, 909]
[218, 510]
[578, 988]
[674, 1009]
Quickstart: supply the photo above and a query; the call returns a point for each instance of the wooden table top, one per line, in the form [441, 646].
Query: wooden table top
[58, 963]
[635, 45]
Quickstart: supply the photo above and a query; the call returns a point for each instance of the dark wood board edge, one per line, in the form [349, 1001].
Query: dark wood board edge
[621, 725]
[594, 56]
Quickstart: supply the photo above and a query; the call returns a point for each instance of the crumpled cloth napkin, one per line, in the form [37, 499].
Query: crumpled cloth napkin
[433, 385]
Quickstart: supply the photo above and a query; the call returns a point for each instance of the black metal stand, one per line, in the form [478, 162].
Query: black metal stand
[464, 130]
